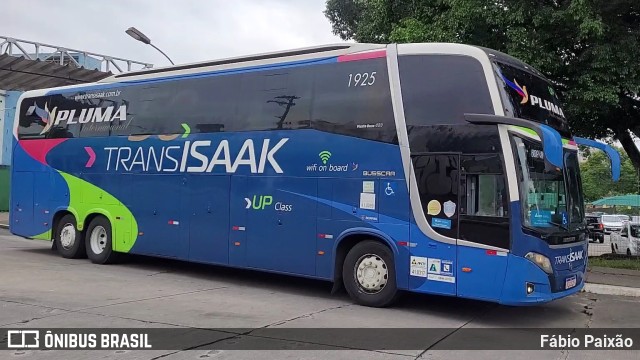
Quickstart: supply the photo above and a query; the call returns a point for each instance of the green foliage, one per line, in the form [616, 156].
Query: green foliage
[618, 263]
[590, 49]
[596, 177]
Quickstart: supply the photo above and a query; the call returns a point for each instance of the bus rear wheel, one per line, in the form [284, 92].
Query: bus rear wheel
[67, 239]
[99, 242]
[369, 274]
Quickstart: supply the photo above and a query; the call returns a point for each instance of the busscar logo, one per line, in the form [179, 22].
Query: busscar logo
[94, 114]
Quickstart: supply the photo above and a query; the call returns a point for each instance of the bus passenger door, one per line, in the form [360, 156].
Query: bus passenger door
[484, 227]
[433, 265]
[208, 210]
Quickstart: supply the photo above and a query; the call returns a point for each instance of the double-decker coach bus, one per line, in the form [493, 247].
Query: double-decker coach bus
[434, 168]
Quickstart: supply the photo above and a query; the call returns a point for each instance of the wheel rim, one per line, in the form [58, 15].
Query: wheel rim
[371, 273]
[98, 239]
[68, 236]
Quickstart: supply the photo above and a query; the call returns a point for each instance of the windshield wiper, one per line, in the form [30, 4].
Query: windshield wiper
[563, 227]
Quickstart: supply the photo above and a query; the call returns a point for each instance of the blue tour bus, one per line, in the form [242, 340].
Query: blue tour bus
[434, 168]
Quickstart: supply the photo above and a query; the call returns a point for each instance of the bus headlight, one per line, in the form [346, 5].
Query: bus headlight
[540, 260]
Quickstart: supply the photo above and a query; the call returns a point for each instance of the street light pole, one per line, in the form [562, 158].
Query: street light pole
[162, 52]
[138, 35]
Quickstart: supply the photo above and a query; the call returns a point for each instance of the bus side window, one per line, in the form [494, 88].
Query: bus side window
[485, 190]
[485, 195]
[484, 214]
[437, 177]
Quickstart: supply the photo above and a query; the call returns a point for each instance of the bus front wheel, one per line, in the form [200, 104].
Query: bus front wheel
[68, 240]
[99, 242]
[369, 274]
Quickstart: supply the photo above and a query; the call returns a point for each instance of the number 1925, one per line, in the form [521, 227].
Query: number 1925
[362, 79]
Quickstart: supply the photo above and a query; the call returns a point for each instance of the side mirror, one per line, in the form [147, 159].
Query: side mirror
[550, 139]
[612, 153]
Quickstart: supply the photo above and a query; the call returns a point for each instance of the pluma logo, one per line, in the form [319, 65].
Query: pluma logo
[77, 116]
[45, 115]
[521, 90]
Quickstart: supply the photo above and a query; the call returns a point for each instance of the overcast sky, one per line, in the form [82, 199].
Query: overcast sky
[187, 30]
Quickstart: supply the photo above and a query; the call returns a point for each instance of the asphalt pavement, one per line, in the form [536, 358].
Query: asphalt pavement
[40, 289]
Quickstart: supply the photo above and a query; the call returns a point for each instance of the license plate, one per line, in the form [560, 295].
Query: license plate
[570, 282]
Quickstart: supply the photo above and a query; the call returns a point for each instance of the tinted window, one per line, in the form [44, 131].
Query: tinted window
[353, 98]
[531, 97]
[482, 164]
[470, 139]
[440, 89]
[484, 204]
[437, 177]
[153, 108]
[350, 98]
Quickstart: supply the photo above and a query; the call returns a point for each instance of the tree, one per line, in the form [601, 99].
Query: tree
[590, 49]
[596, 177]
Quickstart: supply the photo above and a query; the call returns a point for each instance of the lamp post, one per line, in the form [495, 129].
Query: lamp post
[138, 35]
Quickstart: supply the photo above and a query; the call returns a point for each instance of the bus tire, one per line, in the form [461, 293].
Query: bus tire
[67, 239]
[99, 242]
[369, 274]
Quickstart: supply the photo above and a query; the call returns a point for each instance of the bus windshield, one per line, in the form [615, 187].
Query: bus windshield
[551, 200]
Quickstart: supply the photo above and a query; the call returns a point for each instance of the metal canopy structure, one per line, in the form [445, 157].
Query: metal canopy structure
[623, 200]
[18, 73]
[27, 65]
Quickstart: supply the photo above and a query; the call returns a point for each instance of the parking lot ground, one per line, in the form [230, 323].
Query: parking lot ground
[40, 289]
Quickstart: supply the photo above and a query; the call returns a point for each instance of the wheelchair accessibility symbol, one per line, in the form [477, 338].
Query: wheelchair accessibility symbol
[389, 190]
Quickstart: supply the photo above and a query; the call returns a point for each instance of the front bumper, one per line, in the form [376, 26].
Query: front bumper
[521, 271]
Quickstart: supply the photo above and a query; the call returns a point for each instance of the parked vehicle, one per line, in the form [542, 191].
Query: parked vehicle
[595, 228]
[623, 217]
[612, 223]
[627, 241]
